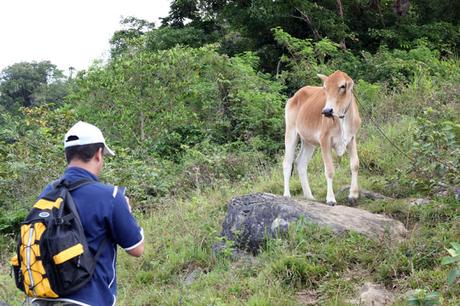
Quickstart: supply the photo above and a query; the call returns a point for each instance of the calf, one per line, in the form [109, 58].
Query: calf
[326, 116]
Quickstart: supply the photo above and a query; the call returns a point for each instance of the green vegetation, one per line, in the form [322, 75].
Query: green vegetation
[194, 110]
[29, 84]
[454, 258]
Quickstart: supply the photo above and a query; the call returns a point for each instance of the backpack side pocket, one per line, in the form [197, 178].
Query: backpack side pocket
[16, 267]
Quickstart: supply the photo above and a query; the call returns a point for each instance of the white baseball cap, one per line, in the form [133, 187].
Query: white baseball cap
[83, 133]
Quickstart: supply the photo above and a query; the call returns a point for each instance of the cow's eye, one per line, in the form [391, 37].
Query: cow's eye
[342, 86]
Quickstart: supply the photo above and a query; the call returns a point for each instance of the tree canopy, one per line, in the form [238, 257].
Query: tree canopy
[27, 84]
[358, 25]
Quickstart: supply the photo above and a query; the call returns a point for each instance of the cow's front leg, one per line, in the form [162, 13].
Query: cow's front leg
[354, 167]
[329, 172]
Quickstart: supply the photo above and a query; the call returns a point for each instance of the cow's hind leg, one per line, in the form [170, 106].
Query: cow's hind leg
[329, 172]
[305, 154]
[354, 167]
[290, 142]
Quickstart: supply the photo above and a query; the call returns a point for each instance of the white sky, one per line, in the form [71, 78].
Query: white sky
[66, 32]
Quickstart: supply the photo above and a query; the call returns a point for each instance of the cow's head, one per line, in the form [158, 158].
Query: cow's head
[338, 88]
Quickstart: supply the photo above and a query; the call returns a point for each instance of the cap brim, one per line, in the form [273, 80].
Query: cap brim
[108, 151]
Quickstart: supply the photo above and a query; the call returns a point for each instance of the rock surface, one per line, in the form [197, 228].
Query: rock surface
[252, 218]
[363, 193]
[190, 278]
[307, 297]
[375, 295]
[419, 202]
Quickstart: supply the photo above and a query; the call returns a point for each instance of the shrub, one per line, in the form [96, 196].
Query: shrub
[421, 297]
[33, 158]
[436, 151]
[454, 259]
[170, 37]
[205, 165]
[393, 68]
[399, 67]
[182, 96]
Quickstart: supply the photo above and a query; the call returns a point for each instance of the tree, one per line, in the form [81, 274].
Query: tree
[134, 28]
[355, 25]
[27, 84]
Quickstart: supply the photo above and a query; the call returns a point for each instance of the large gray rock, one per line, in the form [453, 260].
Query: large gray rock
[252, 218]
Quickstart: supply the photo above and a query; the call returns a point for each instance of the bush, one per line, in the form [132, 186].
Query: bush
[399, 67]
[205, 165]
[144, 176]
[436, 151]
[182, 96]
[393, 68]
[306, 59]
[169, 37]
[32, 159]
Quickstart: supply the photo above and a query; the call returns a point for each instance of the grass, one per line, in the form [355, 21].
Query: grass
[179, 268]
[181, 232]
[181, 235]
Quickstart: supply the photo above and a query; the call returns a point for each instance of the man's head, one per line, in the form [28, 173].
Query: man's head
[85, 146]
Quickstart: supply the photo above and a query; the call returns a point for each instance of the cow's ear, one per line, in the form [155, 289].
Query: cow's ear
[350, 85]
[322, 77]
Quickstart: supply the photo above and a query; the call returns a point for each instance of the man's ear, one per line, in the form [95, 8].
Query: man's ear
[99, 153]
[322, 77]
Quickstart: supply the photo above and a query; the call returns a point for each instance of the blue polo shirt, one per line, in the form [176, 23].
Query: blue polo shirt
[104, 214]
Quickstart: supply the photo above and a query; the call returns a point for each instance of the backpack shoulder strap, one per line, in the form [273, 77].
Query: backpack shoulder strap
[80, 183]
[101, 248]
[55, 183]
[71, 186]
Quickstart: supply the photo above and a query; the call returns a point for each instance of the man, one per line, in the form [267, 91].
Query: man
[104, 212]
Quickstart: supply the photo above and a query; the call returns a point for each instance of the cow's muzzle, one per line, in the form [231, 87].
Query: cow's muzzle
[328, 112]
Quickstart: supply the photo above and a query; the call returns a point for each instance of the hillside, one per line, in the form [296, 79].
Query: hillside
[195, 112]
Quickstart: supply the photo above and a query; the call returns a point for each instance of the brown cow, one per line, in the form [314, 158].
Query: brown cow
[326, 116]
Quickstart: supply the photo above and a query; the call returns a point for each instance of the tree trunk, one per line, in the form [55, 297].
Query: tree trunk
[278, 67]
[401, 7]
[340, 11]
[375, 5]
[340, 8]
[307, 19]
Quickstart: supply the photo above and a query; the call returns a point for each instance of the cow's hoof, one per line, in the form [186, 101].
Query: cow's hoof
[352, 201]
[331, 203]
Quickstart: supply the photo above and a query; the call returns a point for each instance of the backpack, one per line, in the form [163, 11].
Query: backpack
[52, 256]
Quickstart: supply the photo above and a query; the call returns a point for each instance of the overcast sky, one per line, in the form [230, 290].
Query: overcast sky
[66, 32]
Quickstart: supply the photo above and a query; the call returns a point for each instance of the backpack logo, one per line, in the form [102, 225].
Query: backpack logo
[44, 214]
[52, 256]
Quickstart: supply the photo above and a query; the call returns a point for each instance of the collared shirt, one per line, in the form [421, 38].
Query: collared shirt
[104, 214]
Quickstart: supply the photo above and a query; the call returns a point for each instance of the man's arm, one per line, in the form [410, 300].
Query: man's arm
[137, 251]
[125, 230]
